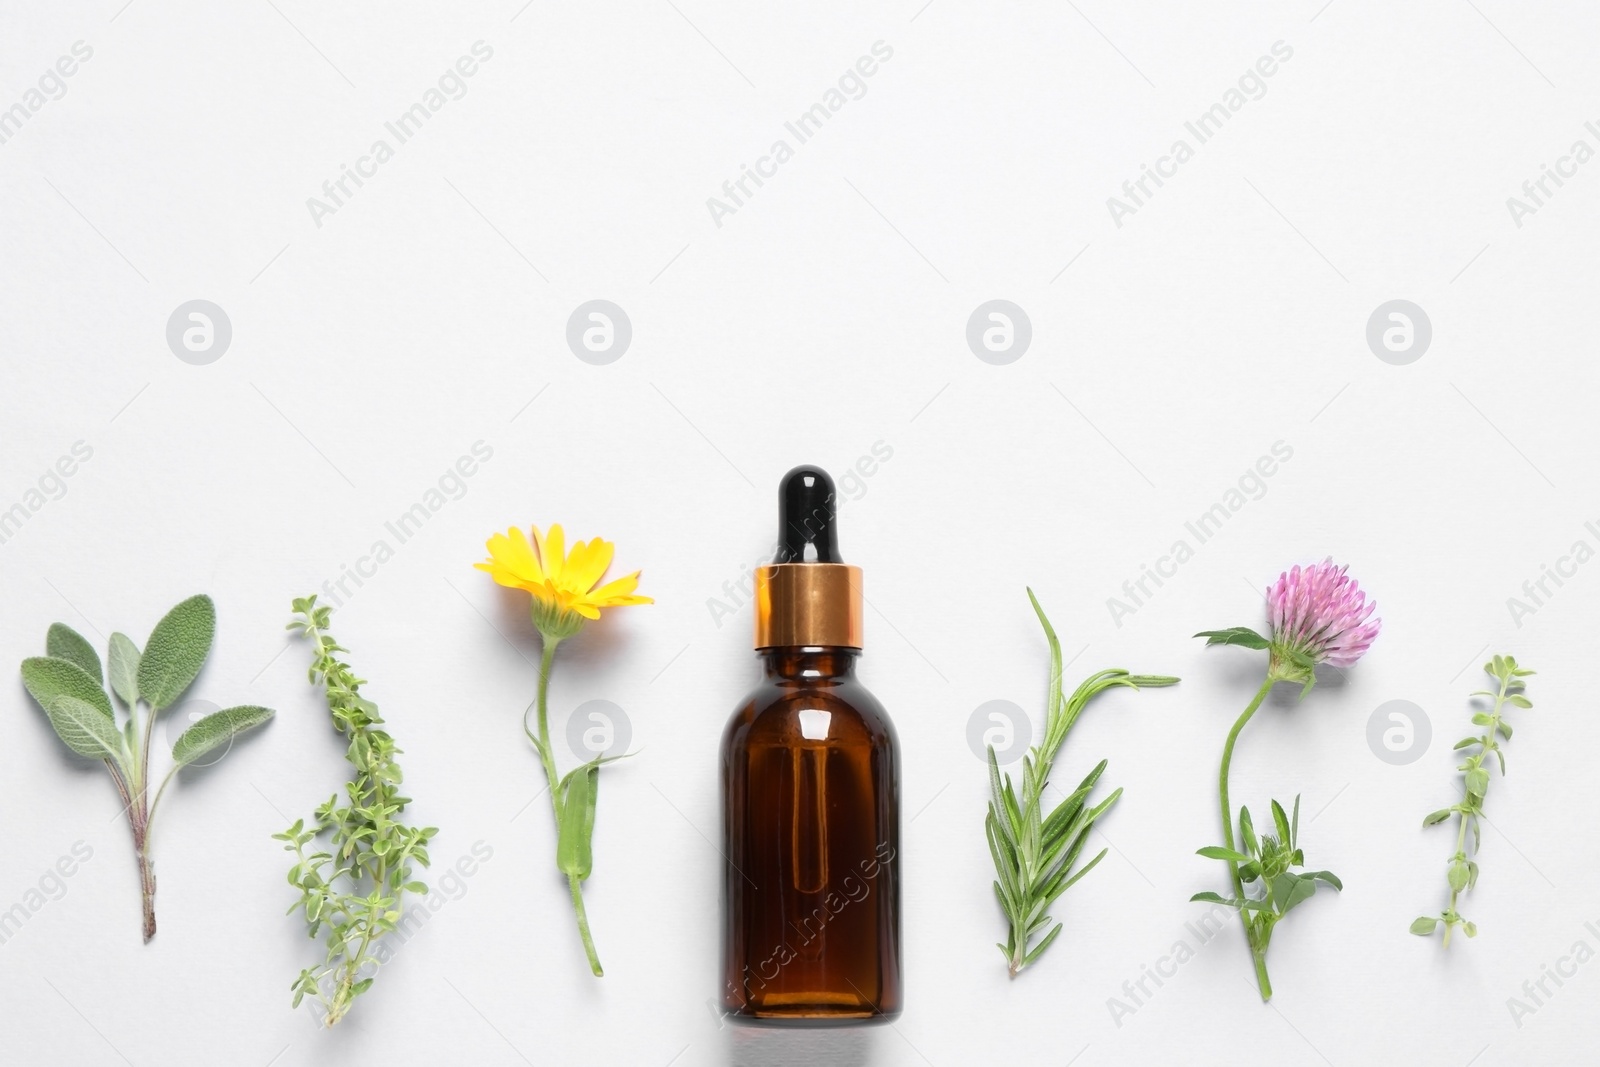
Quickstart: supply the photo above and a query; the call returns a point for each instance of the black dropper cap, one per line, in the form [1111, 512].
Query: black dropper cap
[807, 511]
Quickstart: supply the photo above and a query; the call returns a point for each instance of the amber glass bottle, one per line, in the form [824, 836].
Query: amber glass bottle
[810, 786]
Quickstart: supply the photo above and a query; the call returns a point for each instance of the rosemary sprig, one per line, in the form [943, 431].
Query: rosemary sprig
[1034, 853]
[1462, 873]
[356, 888]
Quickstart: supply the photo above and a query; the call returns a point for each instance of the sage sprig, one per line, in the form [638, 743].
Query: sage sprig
[354, 886]
[1461, 872]
[69, 685]
[1034, 853]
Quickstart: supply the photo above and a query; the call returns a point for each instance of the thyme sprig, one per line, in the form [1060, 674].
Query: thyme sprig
[354, 888]
[1461, 872]
[1034, 853]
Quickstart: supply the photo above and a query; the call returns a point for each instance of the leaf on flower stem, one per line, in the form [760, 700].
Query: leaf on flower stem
[573, 853]
[1217, 852]
[1325, 876]
[1478, 782]
[1424, 925]
[1234, 635]
[1281, 820]
[1247, 832]
[63, 642]
[1231, 902]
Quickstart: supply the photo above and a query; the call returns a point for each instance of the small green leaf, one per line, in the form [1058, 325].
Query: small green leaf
[1470, 928]
[124, 668]
[1424, 925]
[1438, 816]
[1234, 635]
[1281, 820]
[84, 729]
[1247, 832]
[1478, 781]
[1217, 852]
[46, 677]
[1458, 876]
[176, 651]
[63, 642]
[216, 729]
[1325, 876]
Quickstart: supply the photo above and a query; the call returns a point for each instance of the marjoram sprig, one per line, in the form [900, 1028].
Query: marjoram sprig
[1034, 853]
[1462, 873]
[354, 890]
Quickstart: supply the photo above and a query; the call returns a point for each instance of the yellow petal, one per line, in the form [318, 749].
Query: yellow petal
[587, 563]
[619, 592]
[553, 552]
[513, 553]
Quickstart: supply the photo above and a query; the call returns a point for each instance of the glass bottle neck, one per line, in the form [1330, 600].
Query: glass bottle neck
[809, 662]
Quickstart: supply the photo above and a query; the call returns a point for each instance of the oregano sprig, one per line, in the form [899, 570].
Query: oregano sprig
[1034, 853]
[67, 682]
[353, 887]
[1461, 872]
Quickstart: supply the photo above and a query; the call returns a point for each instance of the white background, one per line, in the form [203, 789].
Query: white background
[826, 315]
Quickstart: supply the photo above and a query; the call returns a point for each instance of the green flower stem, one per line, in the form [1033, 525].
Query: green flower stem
[583, 926]
[545, 754]
[547, 757]
[1257, 952]
[1262, 981]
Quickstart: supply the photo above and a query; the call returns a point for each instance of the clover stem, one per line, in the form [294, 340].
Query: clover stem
[1262, 981]
[1222, 778]
[1257, 953]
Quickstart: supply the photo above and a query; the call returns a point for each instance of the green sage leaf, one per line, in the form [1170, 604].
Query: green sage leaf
[176, 651]
[123, 672]
[84, 729]
[63, 642]
[46, 677]
[216, 729]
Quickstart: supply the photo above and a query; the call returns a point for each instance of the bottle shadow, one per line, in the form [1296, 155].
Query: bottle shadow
[746, 1045]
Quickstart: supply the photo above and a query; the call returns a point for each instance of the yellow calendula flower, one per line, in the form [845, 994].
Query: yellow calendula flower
[564, 584]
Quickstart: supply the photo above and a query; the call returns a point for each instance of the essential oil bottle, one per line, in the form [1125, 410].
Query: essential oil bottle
[810, 793]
